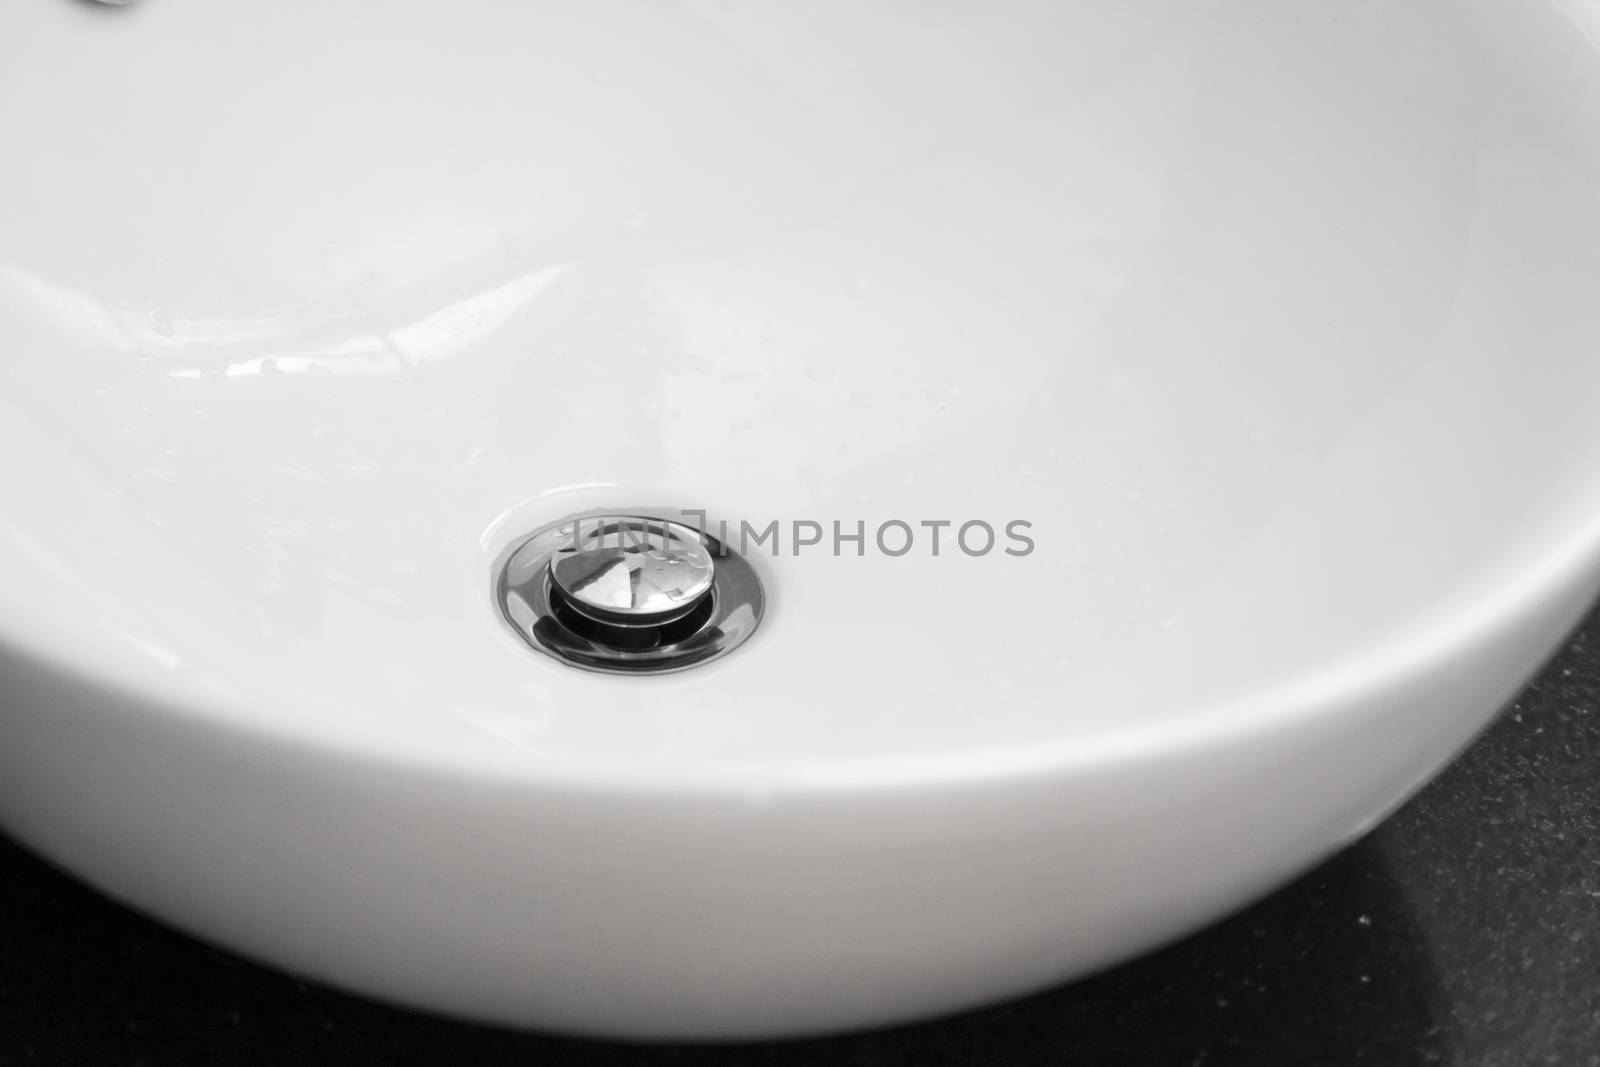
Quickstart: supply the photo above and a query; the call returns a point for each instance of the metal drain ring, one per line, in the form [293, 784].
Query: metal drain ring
[537, 608]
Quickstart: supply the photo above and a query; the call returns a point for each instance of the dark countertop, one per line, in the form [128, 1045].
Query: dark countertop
[1466, 930]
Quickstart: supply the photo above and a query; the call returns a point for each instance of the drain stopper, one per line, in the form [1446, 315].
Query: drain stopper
[629, 594]
[632, 571]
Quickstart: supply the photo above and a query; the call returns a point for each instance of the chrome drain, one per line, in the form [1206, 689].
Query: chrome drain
[629, 594]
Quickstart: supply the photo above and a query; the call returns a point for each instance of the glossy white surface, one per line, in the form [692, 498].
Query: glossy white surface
[1276, 321]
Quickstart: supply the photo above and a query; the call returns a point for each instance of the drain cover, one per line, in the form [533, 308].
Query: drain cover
[629, 593]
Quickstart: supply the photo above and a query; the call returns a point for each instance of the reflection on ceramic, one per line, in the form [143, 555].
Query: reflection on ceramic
[1274, 323]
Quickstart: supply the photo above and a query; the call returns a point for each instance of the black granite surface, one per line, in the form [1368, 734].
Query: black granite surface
[1466, 930]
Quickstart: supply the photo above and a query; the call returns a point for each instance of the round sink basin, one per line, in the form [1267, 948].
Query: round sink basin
[1130, 446]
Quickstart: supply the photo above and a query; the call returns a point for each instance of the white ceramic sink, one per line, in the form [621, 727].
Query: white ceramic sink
[1276, 324]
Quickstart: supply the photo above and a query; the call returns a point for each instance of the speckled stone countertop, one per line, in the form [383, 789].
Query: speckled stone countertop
[1466, 930]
